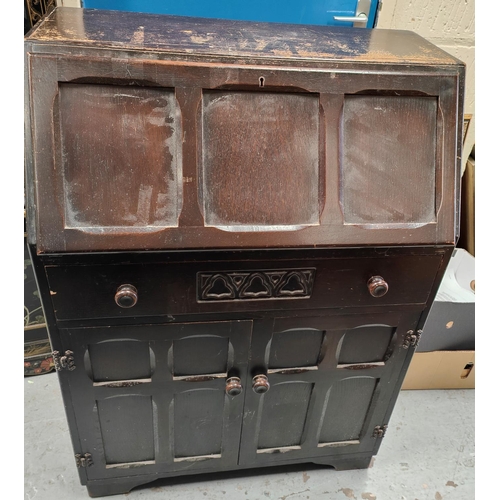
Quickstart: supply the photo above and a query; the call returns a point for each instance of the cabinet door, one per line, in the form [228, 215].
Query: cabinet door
[331, 381]
[152, 398]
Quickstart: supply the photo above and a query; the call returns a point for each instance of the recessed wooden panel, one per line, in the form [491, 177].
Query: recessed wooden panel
[198, 422]
[284, 414]
[365, 344]
[198, 355]
[295, 348]
[127, 428]
[347, 405]
[121, 359]
[388, 160]
[260, 160]
[121, 156]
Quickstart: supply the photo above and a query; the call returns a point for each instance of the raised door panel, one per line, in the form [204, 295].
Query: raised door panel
[121, 157]
[128, 427]
[260, 160]
[355, 393]
[152, 398]
[389, 160]
[330, 384]
[283, 415]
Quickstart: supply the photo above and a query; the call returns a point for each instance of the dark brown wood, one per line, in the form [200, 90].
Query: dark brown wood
[133, 178]
[235, 228]
[271, 148]
[213, 37]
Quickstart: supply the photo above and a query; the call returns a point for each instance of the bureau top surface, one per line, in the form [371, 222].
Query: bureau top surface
[240, 39]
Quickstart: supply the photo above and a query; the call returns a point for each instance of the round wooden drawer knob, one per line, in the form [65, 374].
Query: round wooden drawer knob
[260, 384]
[126, 296]
[233, 386]
[377, 286]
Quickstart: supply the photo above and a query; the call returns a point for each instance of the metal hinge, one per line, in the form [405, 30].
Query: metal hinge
[83, 460]
[65, 362]
[379, 431]
[411, 339]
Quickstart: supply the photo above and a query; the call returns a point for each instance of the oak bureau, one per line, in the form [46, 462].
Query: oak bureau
[237, 230]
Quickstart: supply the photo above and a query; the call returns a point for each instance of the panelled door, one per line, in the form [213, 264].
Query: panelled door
[320, 386]
[153, 398]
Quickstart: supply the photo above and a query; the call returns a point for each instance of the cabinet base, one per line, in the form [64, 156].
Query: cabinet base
[349, 464]
[120, 486]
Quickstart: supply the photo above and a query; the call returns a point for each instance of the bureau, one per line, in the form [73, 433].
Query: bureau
[237, 231]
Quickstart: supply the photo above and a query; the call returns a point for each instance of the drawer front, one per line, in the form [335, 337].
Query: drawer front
[171, 289]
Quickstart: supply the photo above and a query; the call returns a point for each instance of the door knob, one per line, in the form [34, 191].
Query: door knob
[260, 384]
[233, 386]
[126, 296]
[377, 286]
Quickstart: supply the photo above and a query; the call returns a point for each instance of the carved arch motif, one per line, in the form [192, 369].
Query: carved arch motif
[255, 285]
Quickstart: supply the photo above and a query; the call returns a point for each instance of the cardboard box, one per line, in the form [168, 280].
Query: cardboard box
[450, 325]
[441, 370]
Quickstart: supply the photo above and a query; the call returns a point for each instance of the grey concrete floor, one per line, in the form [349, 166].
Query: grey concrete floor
[427, 454]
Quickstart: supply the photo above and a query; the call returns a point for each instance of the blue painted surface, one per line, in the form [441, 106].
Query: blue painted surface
[318, 12]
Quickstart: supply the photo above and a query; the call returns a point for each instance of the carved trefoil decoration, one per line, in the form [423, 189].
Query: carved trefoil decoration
[255, 285]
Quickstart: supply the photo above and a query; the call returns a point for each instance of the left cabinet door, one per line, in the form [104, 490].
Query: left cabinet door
[157, 399]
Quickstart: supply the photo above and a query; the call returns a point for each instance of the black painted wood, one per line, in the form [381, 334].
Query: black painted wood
[181, 287]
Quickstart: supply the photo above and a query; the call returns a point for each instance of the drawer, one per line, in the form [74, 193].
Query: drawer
[171, 289]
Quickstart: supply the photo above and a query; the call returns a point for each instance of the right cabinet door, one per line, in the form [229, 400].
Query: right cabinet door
[319, 386]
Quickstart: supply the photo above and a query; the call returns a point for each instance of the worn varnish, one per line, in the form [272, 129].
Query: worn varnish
[260, 160]
[238, 230]
[200, 36]
[188, 133]
[388, 164]
[124, 170]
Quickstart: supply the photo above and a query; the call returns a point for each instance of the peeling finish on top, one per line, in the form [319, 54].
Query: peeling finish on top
[216, 37]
